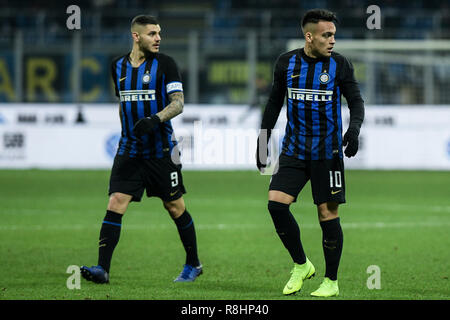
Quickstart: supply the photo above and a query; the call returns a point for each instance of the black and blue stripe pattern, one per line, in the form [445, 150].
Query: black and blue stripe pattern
[314, 128]
[113, 223]
[143, 92]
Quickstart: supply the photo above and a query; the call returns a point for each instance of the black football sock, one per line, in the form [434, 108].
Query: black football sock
[288, 230]
[186, 230]
[109, 237]
[332, 242]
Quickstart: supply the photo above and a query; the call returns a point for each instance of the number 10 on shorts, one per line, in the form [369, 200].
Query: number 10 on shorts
[335, 179]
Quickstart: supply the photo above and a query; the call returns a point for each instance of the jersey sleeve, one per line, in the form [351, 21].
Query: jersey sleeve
[352, 94]
[276, 97]
[114, 80]
[172, 76]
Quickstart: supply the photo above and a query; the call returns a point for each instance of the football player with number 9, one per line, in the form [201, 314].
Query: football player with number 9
[149, 86]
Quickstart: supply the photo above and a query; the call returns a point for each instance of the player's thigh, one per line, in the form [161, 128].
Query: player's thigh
[328, 181]
[289, 180]
[163, 179]
[125, 179]
[279, 196]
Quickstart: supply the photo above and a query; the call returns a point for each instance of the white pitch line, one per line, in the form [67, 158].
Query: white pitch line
[399, 206]
[345, 225]
[296, 208]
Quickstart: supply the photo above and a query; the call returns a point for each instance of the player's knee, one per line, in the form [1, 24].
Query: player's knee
[174, 209]
[118, 202]
[327, 211]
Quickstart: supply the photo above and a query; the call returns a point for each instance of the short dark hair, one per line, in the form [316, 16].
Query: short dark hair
[316, 15]
[143, 20]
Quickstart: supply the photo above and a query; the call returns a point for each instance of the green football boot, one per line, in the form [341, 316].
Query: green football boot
[328, 288]
[300, 272]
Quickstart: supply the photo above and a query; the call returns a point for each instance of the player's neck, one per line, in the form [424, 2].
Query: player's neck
[309, 52]
[137, 57]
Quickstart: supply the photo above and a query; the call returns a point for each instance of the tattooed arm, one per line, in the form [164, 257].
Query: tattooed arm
[174, 108]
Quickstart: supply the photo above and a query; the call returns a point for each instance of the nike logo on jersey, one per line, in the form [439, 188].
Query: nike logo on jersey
[121, 79]
[295, 75]
[173, 193]
[334, 192]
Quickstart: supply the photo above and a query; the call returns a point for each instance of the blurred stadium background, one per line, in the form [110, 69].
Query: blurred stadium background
[225, 51]
[225, 48]
[58, 111]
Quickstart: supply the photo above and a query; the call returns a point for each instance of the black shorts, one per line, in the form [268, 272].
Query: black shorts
[327, 178]
[159, 177]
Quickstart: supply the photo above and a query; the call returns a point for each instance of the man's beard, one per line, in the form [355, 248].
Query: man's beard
[317, 53]
[145, 50]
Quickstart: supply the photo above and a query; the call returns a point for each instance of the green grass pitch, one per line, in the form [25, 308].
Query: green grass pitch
[49, 220]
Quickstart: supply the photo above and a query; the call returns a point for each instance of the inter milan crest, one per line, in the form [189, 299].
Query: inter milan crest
[146, 78]
[324, 77]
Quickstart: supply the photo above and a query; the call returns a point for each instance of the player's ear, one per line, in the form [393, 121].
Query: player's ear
[308, 36]
[135, 36]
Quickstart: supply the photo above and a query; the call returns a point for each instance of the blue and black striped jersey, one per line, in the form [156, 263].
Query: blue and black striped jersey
[144, 91]
[313, 89]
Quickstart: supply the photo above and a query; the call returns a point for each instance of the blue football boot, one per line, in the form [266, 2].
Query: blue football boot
[189, 273]
[95, 274]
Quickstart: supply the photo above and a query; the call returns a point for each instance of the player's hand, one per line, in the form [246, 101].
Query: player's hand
[262, 151]
[351, 141]
[146, 125]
